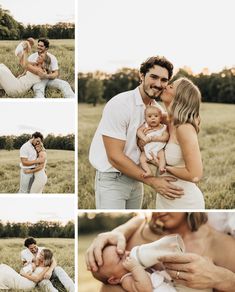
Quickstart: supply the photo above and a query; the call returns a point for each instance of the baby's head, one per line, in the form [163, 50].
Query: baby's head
[112, 269]
[153, 115]
[31, 41]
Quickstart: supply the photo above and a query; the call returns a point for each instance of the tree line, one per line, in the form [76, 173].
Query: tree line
[50, 142]
[10, 29]
[39, 229]
[99, 87]
[99, 222]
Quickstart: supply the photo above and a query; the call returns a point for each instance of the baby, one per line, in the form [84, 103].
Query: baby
[130, 274]
[24, 46]
[29, 267]
[155, 135]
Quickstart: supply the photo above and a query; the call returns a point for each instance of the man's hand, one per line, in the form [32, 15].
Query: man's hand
[163, 186]
[48, 275]
[93, 254]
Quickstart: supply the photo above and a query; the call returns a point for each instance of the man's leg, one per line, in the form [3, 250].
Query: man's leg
[47, 286]
[64, 278]
[24, 182]
[39, 88]
[63, 86]
[113, 190]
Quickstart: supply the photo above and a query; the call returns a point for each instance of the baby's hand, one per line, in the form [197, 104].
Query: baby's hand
[130, 264]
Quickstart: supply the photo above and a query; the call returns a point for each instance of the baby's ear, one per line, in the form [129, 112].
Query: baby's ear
[113, 280]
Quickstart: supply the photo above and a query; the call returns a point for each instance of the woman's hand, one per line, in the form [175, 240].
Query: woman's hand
[27, 171]
[191, 270]
[93, 254]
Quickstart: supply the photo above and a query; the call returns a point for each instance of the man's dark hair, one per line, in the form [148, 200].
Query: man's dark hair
[37, 135]
[157, 60]
[45, 41]
[28, 241]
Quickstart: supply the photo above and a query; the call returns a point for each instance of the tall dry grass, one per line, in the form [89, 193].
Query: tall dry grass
[216, 140]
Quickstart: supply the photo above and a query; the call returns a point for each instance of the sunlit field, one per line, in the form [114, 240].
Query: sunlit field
[86, 282]
[62, 49]
[62, 248]
[216, 140]
[59, 169]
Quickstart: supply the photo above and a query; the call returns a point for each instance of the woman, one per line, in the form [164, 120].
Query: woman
[17, 86]
[182, 101]
[10, 279]
[40, 177]
[203, 266]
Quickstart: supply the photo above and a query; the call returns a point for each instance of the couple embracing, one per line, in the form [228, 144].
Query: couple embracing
[40, 70]
[133, 120]
[33, 159]
[38, 267]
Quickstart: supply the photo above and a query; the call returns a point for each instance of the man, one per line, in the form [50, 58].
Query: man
[49, 79]
[28, 157]
[114, 151]
[30, 254]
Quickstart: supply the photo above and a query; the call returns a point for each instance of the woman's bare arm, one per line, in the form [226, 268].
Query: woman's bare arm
[41, 159]
[35, 278]
[188, 141]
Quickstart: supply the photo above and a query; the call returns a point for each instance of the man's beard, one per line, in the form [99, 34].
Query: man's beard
[157, 98]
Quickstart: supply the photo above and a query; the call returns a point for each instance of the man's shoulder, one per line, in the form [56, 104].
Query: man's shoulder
[123, 97]
[51, 56]
[25, 145]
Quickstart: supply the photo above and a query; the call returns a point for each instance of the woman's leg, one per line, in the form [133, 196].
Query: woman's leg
[39, 182]
[8, 81]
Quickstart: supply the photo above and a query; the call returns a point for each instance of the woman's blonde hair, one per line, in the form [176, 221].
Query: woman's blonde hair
[47, 256]
[186, 104]
[194, 221]
[47, 63]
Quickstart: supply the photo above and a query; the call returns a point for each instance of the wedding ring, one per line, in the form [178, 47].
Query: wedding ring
[177, 275]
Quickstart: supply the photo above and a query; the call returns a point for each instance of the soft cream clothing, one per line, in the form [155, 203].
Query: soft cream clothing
[21, 47]
[193, 197]
[154, 147]
[16, 86]
[10, 279]
[40, 180]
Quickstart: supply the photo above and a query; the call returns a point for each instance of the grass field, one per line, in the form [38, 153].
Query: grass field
[59, 169]
[62, 49]
[86, 282]
[216, 140]
[63, 250]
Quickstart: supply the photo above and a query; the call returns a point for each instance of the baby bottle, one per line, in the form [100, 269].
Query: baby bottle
[147, 254]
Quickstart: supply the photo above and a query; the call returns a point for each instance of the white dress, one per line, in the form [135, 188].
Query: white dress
[40, 180]
[10, 279]
[16, 86]
[193, 197]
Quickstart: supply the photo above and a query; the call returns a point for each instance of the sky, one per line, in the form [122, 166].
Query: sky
[40, 12]
[33, 209]
[123, 33]
[19, 117]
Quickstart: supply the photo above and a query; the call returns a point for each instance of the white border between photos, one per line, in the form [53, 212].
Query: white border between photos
[56, 195]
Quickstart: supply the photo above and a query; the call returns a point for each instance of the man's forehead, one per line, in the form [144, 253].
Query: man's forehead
[159, 71]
